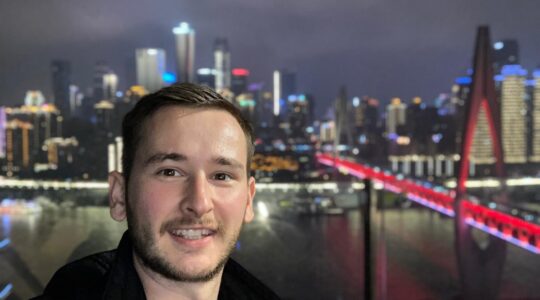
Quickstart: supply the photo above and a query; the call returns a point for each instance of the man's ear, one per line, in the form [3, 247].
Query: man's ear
[117, 196]
[249, 215]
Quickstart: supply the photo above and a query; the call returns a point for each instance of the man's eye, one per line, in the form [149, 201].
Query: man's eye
[169, 172]
[222, 176]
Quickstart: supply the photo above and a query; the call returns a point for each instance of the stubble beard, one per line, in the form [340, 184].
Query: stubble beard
[146, 248]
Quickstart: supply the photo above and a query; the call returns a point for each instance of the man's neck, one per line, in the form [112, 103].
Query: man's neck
[158, 287]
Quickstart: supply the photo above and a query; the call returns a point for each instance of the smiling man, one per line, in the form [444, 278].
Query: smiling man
[186, 192]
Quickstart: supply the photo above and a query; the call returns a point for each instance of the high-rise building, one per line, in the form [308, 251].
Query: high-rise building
[18, 148]
[506, 52]
[513, 111]
[185, 52]
[535, 156]
[222, 64]
[207, 77]
[239, 82]
[301, 115]
[3, 125]
[105, 82]
[395, 117]
[284, 85]
[75, 99]
[61, 79]
[150, 68]
[105, 116]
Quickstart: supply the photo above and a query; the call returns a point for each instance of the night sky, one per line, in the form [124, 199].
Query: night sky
[380, 48]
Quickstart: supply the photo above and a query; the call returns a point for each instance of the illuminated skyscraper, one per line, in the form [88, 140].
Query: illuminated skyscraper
[207, 77]
[239, 82]
[18, 147]
[105, 82]
[536, 118]
[45, 120]
[222, 64]
[150, 68]
[185, 52]
[395, 116]
[61, 79]
[513, 111]
[284, 85]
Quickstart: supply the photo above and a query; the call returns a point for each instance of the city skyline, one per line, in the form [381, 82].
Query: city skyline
[370, 47]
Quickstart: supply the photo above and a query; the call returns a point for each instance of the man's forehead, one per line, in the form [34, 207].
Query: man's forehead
[228, 144]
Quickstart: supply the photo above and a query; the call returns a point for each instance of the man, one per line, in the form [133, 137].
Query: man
[185, 192]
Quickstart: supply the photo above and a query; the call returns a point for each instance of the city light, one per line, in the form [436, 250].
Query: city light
[240, 72]
[183, 28]
[443, 201]
[152, 51]
[169, 77]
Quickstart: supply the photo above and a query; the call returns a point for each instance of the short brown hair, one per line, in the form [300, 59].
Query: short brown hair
[181, 94]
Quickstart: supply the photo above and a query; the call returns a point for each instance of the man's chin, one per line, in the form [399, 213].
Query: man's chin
[189, 269]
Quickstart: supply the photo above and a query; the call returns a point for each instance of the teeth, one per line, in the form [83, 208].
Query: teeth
[192, 234]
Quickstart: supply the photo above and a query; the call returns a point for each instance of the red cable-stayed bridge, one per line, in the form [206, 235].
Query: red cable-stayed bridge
[512, 229]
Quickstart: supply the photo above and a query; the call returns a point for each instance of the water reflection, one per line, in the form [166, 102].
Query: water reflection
[301, 256]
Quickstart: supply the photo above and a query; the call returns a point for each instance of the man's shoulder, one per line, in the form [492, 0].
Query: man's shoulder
[238, 283]
[82, 279]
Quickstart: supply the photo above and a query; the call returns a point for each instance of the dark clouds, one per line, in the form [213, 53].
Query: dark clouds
[378, 47]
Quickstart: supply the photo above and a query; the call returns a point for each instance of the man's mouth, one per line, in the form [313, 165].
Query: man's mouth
[192, 234]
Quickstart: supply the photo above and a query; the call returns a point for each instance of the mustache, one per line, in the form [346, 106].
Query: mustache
[175, 223]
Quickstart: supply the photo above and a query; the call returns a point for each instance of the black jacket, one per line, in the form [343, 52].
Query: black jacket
[111, 275]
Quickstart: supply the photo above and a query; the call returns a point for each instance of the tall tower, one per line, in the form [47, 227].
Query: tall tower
[185, 52]
[222, 64]
[284, 85]
[61, 79]
[513, 112]
[105, 82]
[395, 116]
[150, 68]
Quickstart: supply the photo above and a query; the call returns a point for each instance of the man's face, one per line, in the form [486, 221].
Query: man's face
[188, 193]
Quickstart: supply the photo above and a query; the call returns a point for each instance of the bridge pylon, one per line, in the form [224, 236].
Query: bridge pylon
[480, 268]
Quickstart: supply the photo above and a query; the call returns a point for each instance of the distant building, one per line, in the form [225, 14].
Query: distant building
[45, 120]
[284, 84]
[61, 152]
[239, 83]
[105, 117]
[150, 68]
[61, 79]
[222, 64]
[535, 157]
[105, 82]
[246, 103]
[19, 144]
[328, 131]
[207, 77]
[300, 115]
[395, 117]
[3, 126]
[513, 111]
[185, 52]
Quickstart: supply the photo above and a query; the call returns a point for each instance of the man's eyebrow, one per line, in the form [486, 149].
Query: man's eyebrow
[160, 157]
[224, 161]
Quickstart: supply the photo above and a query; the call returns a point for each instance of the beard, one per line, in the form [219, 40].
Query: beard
[146, 248]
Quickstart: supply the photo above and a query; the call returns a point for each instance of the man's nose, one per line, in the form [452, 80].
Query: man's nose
[198, 200]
